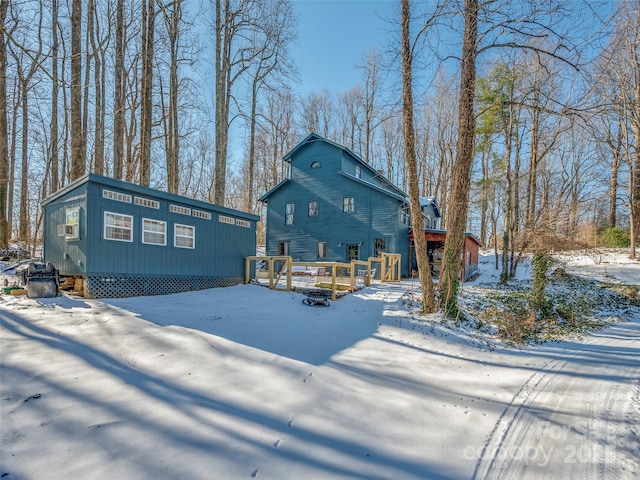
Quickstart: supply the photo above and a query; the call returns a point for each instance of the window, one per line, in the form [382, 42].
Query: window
[358, 171]
[225, 219]
[201, 214]
[179, 209]
[380, 245]
[289, 211]
[283, 248]
[315, 165]
[117, 196]
[146, 202]
[184, 236]
[405, 216]
[72, 223]
[353, 252]
[313, 208]
[243, 223]
[118, 227]
[322, 249]
[348, 205]
[154, 232]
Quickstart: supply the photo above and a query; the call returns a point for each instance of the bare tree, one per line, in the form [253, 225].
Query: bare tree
[234, 20]
[417, 221]
[271, 61]
[4, 133]
[55, 173]
[77, 137]
[458, 204]
[317, 113]
[118, 92]
[146, 90]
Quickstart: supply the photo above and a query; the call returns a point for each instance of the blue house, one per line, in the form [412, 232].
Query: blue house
[333, 206]
[124, 240]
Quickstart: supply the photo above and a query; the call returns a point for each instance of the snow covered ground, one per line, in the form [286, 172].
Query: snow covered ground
[244, 382]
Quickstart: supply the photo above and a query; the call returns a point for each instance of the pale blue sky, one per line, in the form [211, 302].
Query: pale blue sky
[333, 35]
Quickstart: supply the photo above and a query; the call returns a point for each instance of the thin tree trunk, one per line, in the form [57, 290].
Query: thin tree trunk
[55, 174]
[118, 93]
[148, 22]
[458, 204]
[4, 134]
[417, 221]
[77, 156]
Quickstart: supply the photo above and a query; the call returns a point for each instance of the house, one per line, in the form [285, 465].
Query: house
[333, 206]
[124, 240]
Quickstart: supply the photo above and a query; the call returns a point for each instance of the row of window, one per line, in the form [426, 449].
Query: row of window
[147, 202]
[119, 227]
[348, 206]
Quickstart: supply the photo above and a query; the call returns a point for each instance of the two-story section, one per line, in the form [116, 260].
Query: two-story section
[334, 207]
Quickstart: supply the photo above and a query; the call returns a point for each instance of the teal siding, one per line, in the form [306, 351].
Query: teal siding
[377, 213]
[220, 248]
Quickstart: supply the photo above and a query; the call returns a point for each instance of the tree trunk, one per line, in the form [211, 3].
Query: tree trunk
[77, 155]
[4, 134]
[55, 174]
[23, 221]
[458, 204]
[148, 22]
[118, 93]
[173, 180]
[424, 271]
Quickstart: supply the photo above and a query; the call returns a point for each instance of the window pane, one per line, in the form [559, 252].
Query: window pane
[154, 232]
[313, 208]
[348, 204]
[289, 212]
[118, 227]
[184, 236]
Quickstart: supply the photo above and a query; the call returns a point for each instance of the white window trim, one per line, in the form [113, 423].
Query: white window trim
[104, 227]
[117, 196]
[72, 230]
[175, 235]
[164, 233]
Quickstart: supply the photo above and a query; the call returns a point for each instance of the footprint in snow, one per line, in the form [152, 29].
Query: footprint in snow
[307, 378]
[254, 474]
[276, 444]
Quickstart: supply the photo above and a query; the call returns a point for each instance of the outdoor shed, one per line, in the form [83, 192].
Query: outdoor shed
[128, 240]
[435, 249]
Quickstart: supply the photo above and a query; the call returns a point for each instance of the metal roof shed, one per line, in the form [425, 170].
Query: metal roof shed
[129, 240]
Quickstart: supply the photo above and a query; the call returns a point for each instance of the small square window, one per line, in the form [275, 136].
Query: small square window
[154, 232]
[118, 227]
[283, 248]
[348, 205]
[184, 236]
[358, 171]
[313, 208]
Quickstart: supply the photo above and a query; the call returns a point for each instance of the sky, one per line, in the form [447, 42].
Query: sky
[333, 36]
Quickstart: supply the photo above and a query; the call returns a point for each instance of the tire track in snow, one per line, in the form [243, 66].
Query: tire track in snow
[574, 418]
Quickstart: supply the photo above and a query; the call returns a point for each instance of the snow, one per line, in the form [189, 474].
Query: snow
[244, 382]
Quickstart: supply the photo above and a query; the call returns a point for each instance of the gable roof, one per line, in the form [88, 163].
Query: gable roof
[390, 189]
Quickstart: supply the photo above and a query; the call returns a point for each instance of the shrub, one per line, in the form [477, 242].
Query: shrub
[540, 267]
[615, 238]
